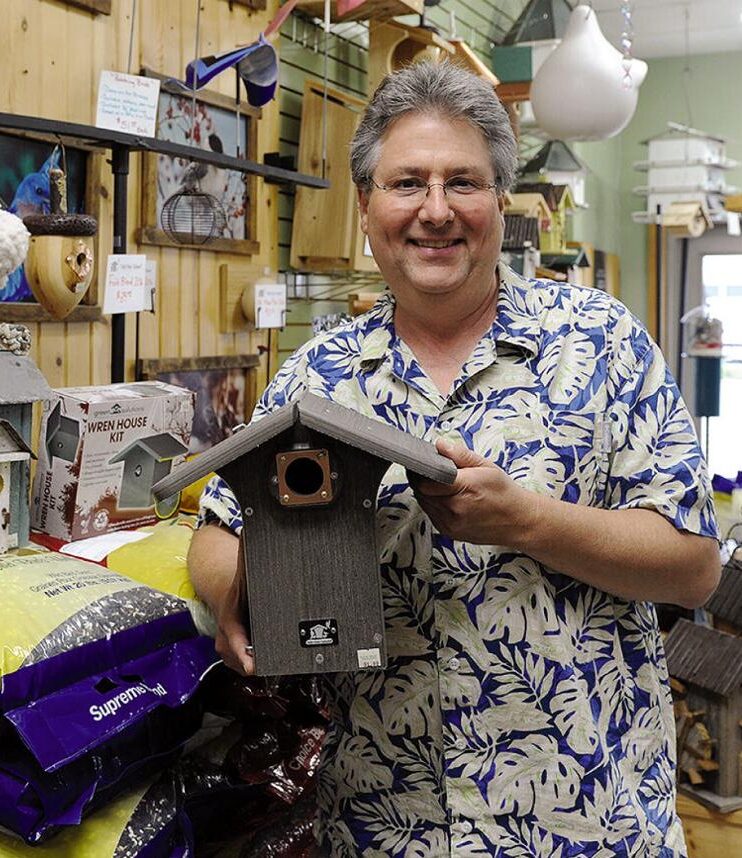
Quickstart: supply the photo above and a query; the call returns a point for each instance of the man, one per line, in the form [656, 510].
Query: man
[525, 709]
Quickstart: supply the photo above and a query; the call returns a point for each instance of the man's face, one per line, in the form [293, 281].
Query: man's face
[439, 243]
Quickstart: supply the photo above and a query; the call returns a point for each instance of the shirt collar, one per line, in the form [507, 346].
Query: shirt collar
[517, 322]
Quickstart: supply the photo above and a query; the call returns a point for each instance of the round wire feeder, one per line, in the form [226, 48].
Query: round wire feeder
[191, 216]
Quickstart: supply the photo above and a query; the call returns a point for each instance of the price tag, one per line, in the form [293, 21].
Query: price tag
[270, 305]
[128, 103]
[126, 276]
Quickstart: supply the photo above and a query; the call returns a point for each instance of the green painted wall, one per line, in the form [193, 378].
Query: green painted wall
[708, 96]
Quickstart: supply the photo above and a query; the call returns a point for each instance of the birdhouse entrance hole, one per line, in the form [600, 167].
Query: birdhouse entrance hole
[304, 477]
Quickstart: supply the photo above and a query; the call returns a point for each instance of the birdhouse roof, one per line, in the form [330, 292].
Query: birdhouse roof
[684, 213]
[572, 256]
[554, 155]
[520, 232]
[529, 204]
[333, 420]
[675, 130]
[540, 20]
[161, 447]
[726, 603]
[21, 381]
[11, 441]
[704, 657]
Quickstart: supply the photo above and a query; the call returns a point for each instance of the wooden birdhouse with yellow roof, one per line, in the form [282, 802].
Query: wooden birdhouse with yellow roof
[561, 204]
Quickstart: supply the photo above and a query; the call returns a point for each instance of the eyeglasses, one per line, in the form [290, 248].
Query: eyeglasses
[413, 190]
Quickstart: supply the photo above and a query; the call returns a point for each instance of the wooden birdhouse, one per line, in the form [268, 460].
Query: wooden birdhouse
[555, 162]
[708, 665]
[12, 449]
[531, 205]
[306, 478]
[21, 384]
[561, 204]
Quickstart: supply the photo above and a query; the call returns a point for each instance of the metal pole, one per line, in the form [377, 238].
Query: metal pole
[658, 274]
[683, 292]
[120, 169]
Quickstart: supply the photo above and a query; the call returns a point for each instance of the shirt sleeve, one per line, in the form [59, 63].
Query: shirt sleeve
[656, 460]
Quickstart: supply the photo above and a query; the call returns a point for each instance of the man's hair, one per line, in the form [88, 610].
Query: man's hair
[435, 87]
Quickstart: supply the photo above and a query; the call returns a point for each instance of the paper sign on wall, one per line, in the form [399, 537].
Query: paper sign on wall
[126, 276]
[270, 305]
[127, 103]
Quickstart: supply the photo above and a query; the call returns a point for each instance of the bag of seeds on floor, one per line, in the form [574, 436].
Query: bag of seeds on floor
[97, 681]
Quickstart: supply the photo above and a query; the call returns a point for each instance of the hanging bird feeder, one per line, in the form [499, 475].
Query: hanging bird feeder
[191, 216]
[60, 262]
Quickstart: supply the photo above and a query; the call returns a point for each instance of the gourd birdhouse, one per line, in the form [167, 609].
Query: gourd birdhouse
[21, 384]
[306, 478]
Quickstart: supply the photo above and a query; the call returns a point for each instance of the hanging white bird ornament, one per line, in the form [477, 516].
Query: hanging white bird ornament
[586, 89]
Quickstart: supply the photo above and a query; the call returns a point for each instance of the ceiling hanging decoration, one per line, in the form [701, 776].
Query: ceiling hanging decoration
[586, 89]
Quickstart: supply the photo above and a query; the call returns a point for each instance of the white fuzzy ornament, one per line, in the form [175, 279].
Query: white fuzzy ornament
[13, 242]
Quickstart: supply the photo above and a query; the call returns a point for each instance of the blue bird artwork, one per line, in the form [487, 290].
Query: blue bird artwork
[31, 197]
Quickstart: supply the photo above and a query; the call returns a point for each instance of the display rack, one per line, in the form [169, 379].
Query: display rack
[121, 145]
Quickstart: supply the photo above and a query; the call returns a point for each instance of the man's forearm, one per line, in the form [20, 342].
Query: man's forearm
[633, 553]
[212, 563]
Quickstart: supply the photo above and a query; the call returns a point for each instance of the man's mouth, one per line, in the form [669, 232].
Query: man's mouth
[435, 244]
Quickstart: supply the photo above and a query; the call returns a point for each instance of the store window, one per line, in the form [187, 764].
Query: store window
[722, 294]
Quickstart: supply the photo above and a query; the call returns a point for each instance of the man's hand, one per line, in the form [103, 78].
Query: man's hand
[214, 564]
[483, 504]
[635, 554]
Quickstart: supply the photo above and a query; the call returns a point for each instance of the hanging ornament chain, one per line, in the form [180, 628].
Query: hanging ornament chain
[627, 40]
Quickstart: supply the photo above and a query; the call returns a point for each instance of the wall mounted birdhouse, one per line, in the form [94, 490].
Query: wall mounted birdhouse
[306, 478]
[21, 384]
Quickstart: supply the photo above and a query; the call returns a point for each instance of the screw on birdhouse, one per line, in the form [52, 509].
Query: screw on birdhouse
[377, 637]
[333, 475]
[319, 658]
[274, 480]
[285, 499]
[248, 511]
[367, 504]
[323, 494]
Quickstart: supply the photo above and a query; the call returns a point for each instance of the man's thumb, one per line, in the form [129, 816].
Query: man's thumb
[460, 455]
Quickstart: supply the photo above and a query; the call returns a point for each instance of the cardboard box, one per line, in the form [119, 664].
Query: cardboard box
[101, 449]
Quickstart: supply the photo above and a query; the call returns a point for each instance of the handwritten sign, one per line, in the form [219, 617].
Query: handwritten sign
[126, 276]
[270, 305]
[128, 103]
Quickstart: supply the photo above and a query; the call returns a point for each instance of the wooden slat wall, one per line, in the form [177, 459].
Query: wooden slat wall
[479, 22]
[52, 57]
[53, 54]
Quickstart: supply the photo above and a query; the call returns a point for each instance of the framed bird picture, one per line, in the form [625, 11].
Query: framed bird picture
[223, 199]
[25, 189]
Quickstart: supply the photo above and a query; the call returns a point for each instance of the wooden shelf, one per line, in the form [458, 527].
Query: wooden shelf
[377, 10]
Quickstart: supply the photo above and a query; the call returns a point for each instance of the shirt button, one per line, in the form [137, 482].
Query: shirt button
[460, 744]
[465, 827]
[446, 426]
[454, 664]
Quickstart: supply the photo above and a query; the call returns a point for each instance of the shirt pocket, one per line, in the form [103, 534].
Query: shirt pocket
[568, 459]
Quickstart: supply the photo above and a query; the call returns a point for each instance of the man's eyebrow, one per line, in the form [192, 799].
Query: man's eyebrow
[452, 171]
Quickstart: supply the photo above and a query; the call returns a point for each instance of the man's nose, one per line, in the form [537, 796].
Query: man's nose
[435, 208]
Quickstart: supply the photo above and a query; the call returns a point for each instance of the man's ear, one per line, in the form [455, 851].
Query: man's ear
[363, 208]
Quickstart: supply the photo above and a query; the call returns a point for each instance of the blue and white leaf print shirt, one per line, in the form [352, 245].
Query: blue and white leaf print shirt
[523, 713]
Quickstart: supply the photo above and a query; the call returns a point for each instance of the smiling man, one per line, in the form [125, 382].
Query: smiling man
[525, 708]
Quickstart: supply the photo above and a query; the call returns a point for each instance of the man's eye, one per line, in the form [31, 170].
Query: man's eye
[462, 184]
[409, 183]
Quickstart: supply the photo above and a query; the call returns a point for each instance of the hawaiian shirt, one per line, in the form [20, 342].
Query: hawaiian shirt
[522, 713]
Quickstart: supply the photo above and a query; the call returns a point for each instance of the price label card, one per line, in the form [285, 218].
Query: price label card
[126, 276]
[128, 103]
[270, 305]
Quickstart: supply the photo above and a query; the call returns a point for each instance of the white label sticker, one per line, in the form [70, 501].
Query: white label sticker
[369, 658]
